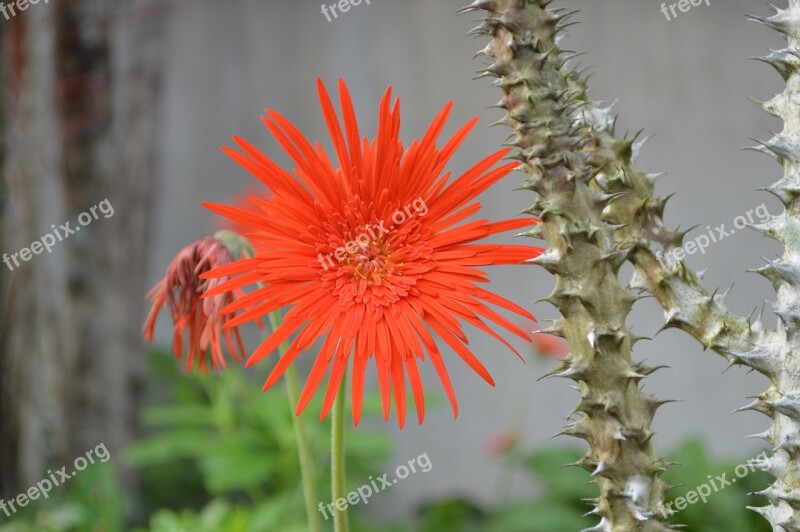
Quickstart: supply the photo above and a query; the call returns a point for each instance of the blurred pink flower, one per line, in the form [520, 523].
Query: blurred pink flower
[546, 345]
[502, 441]
[202, 321]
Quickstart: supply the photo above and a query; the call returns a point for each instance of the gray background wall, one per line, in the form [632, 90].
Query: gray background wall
[685, 80]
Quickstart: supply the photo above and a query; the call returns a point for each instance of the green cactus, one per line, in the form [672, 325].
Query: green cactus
[542, 98]
[567, 144]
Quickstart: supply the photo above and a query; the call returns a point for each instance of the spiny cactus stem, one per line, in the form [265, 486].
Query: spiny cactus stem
[690, 307]
[564, 136]
[613, 414]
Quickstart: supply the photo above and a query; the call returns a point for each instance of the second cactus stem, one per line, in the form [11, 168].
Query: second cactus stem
[779, 358]
[613, 415]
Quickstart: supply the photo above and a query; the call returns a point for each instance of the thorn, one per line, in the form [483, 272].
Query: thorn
[478, 5]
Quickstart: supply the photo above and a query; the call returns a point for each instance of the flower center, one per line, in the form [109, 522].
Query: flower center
[370, 262]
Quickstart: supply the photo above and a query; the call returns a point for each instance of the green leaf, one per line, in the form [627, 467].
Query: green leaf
[237, 470]
[269, 514]
[178, 415]
[540, 516]
[368, 446]
[569, 483]
[169, 446]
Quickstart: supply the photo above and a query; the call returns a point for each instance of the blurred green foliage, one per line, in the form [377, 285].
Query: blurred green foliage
[219, 455]
[725, 509]
[563, 505]
[91, 501]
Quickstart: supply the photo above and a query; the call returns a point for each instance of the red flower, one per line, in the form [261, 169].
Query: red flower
[371, 253]
[181, 290]
[544, 344]
[502, 442]
[547, 345]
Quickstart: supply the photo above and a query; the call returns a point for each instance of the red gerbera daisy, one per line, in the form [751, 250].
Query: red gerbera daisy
[371, 253]
[181, 290]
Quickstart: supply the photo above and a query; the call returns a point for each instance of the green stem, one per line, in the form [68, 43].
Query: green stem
[516, 426]
[337, 458]
[306, 464]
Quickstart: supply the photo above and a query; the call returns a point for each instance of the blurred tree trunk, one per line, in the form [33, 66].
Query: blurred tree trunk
[78, 122]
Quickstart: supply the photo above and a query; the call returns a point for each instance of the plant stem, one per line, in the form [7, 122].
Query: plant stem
[303, 451]
[337, 458]
[544, 105]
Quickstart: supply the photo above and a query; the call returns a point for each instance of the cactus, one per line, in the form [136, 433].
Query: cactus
[563, 135]
[542, 98]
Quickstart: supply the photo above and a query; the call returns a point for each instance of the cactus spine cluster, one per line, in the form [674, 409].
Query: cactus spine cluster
[595, 203]
[690, 307]
[542, 99]
[776, 356]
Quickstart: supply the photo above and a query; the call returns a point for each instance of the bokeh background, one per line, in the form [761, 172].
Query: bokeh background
[131, 100]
